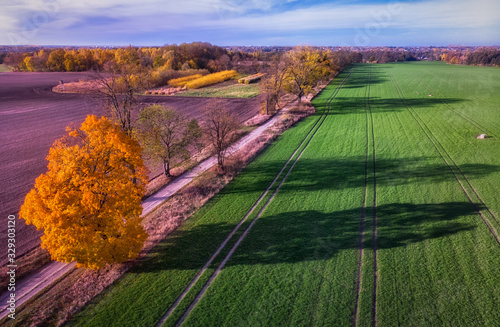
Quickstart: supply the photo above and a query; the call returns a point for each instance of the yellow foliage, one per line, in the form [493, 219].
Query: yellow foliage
[211, 79]
[28, 62]
[89, 200]
[251, 79]
[181, 81]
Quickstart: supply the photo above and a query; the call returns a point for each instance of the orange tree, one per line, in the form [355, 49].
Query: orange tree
[89, 200]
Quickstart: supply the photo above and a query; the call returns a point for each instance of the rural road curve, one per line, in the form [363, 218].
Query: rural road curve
[33, 284]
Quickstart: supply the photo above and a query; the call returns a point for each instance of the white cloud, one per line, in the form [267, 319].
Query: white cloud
[131, 16]
[427, 14]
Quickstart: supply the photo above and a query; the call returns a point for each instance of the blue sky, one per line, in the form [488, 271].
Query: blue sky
[250, 22]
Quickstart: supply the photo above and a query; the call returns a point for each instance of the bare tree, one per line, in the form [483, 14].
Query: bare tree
[118, 85]
[220, 125]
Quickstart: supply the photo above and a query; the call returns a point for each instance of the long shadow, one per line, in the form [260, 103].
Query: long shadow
[350, 173]
[309, 235]
[359, 78]
[355, 105]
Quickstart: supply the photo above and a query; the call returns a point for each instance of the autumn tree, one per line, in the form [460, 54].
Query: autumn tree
[55, 61]
[305, 67]
[28, 64]
[272, 85]
[220, 125]
[89, 201]
[166, 135]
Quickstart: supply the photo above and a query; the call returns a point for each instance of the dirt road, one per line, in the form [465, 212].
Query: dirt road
[32, 117]
[36, 282]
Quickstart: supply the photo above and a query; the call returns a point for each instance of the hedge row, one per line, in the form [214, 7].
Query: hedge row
[211, 79]
[180, 82]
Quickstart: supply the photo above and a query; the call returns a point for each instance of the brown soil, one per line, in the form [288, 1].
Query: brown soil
[32, 117]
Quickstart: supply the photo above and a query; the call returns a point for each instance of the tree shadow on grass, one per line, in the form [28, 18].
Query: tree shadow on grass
[322, 174]
[297, 236]
[357, 105]
[361, 77]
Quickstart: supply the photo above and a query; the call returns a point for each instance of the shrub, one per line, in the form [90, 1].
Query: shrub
[162, 76]
[211, 79]
[179, 82]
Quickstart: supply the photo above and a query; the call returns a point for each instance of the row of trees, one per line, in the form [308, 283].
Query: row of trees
[486, 56]
[299, 71]
[89, 201]
[167, 136]
[176, 57]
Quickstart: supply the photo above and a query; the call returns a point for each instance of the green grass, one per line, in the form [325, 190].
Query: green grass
[147, 291]
[224, 90]
[437, 261]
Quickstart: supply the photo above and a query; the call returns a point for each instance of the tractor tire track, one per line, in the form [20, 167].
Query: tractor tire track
[456, 171]
[303, 144]
[242, 237]
[480, 127]
[461, 115]
[375, 262]
[459, 89]
[370, 144]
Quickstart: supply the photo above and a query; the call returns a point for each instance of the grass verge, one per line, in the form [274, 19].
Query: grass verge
[225, 90]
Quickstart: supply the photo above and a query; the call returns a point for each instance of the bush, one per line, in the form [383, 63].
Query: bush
[181, 81]
[161, 77]
[211, 79]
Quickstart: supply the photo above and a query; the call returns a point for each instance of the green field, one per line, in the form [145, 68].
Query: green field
[388, 216]
[224, 90]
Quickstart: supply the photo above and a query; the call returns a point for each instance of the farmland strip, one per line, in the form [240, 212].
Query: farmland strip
[476, 124]
[215, 274]
[375, 265]
[369, 124]
[307, 138]
[437, 145]
[465, 117]
[478, 99]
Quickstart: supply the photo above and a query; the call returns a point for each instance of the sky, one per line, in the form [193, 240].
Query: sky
[250, 22]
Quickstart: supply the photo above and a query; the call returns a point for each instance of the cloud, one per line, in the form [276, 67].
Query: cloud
[427, 14]
[37, 19]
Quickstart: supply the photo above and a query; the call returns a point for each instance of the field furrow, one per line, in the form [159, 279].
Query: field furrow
[484, 212]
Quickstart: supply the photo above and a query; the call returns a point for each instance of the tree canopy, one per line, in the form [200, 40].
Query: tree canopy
[89, 201]
[305, 67]
[166, 135]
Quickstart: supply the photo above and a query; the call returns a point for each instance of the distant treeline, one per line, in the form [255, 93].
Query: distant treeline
[205, 56]
[176, 57]
[487, 56]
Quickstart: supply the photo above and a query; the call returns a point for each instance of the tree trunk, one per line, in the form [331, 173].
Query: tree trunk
[220, 160]
[300, 99]
[166, 168]
[267, 104]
